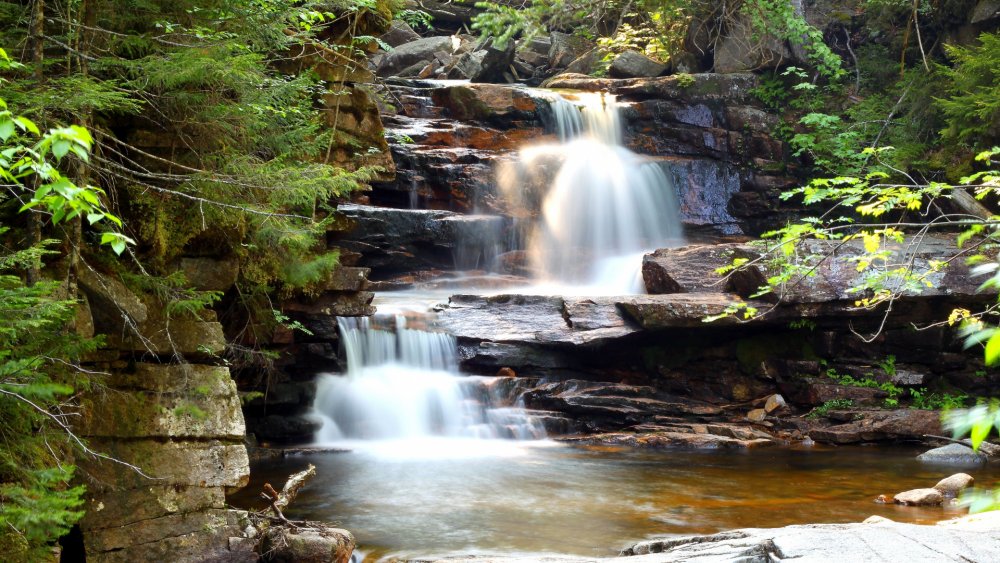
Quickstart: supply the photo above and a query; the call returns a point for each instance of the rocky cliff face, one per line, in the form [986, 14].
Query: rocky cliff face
[167, 424]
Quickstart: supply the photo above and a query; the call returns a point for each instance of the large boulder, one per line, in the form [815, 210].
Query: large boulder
[566, 48]
[485, 63]
[632, 64]
[741, 49]
[400, 33]
[415, 53]
[692, 269]
[534, 51]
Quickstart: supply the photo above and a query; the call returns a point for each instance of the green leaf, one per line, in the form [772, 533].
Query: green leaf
[27, 125]
[6, 127]
[60, 147]
[993, 349]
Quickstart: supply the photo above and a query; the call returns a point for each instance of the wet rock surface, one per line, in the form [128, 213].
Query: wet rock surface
[879, 425]
[879, 540]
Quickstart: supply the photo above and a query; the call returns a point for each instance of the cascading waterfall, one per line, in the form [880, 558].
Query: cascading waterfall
[403, 383]
[600, 206]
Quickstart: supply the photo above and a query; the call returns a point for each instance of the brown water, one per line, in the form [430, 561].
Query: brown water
[511, 498]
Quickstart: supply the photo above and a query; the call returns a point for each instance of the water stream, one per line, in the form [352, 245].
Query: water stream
[439, 463]
[402, 386]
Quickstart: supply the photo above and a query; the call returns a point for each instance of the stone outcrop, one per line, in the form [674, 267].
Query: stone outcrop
[873, 426]
[403, 240]
[170, 435]
[848, 542]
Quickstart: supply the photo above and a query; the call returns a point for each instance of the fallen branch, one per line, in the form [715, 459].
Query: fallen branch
[293, 485]
[288, 493]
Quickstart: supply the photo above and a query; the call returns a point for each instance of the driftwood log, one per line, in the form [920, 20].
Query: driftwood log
[279, 501]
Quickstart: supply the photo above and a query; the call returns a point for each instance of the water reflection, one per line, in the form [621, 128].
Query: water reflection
[533, 498]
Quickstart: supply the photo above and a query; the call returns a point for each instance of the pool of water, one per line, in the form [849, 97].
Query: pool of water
[438, 498]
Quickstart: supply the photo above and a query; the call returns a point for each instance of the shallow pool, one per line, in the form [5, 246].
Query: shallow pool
[444, 497]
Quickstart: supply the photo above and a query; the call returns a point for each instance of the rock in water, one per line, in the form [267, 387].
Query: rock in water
[920, 497]
[953, 454]
[308, 545]
[757, 415]
[951, 486]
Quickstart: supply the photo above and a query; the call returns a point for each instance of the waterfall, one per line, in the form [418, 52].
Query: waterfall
[599, 205]
[403, 383]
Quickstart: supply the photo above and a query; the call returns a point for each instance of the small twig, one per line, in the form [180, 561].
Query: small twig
[271, 496]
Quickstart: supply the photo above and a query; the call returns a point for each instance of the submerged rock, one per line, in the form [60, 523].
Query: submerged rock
[668, 440]
[954, 454]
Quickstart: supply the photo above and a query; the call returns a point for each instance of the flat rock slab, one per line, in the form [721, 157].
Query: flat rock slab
[534, 319]
[880, 541]
[538, 319]
[667, 440]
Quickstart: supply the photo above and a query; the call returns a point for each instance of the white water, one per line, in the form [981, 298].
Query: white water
[402, 385]
[600, 205]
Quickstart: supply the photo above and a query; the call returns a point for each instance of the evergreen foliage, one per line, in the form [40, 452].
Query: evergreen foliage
[199, 123]
[37, 379]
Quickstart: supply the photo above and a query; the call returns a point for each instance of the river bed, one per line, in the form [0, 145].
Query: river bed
[448, 497]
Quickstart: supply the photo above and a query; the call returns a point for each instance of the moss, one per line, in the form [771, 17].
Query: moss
[14, 547]
[752, 351]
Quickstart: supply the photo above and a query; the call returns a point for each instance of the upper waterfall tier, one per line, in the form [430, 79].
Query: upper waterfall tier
[598, 204]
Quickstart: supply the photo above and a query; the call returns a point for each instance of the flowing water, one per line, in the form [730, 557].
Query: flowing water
[437, 463]
[402, 386]
[600, 206]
